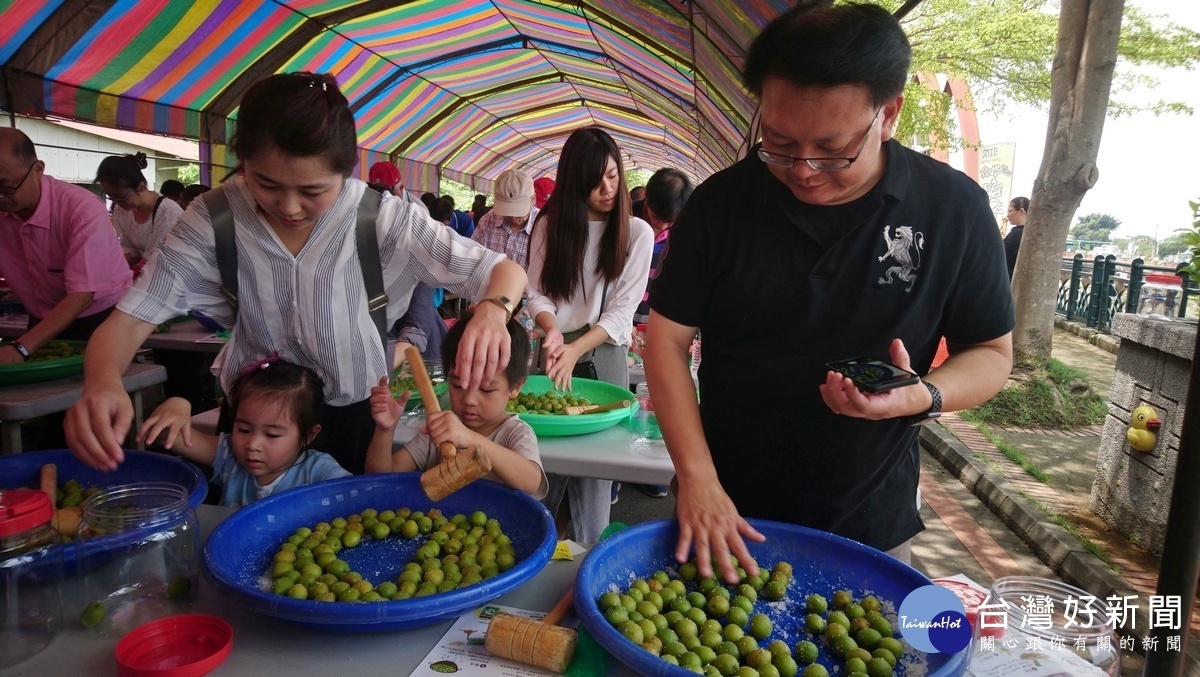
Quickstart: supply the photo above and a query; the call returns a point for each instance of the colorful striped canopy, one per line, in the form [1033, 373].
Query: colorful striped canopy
[456, 88]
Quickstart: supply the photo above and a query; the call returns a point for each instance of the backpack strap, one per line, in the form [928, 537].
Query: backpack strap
[226, 244]
[368, 260]
[367, 245]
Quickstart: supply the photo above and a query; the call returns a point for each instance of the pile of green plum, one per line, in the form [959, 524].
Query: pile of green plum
[55, 350]
[708, 628]
[72, 493]
[458, 551]
[551, 402]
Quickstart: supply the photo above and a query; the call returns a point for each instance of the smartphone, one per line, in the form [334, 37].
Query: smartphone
[872, 375]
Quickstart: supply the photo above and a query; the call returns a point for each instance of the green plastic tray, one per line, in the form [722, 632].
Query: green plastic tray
[561, 425]
[48, 370]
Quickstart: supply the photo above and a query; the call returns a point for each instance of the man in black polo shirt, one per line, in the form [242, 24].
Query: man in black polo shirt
[830, 241]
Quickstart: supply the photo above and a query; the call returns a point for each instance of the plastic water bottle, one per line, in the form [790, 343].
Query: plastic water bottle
[648, 438]
[695, 359]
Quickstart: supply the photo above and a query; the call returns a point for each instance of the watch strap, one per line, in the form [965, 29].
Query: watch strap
[935, 405]
[21, 349]
[504, 303]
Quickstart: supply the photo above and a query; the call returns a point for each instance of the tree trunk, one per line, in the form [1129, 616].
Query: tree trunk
[1081, 78]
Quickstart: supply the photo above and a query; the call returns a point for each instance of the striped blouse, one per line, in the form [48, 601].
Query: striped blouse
[310, 308]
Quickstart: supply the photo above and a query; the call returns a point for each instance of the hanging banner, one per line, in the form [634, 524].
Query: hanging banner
[995, 175]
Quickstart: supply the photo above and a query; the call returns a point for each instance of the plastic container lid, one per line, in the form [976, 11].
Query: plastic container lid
[1162, 278]
[177, 646]
[22, 510]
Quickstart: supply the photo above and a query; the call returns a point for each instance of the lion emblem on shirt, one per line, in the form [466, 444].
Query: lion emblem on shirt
[904, 247]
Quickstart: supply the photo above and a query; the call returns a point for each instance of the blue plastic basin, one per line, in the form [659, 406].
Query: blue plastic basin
[23, 470]
[821, 563]
[237, 555]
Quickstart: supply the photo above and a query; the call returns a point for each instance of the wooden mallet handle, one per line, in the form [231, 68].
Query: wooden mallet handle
[416, 364]
[597, 409]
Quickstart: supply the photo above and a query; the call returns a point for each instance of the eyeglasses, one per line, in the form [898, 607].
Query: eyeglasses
[121, 197]
[11, 190]
[821, 164]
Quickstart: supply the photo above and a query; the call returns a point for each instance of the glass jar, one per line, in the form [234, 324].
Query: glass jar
[648, 439]
[139, 554]
[31, 570]
[1159, 296]
[1036, 626]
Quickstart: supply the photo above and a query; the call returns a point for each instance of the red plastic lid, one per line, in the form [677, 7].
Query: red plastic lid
[190, 645]
[23, 509]
[1163, 278]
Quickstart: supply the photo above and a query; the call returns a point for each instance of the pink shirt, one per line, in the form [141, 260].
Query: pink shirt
[68, 245]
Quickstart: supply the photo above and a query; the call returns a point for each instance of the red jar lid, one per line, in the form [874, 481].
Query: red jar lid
[1162, 278]
[190, 645]
[22, 510]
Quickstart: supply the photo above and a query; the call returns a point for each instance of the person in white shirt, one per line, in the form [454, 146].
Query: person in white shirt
[588, 267]
[301, 290]
[141, 216]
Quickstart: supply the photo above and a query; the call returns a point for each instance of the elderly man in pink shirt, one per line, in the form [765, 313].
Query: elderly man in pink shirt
[58, 250]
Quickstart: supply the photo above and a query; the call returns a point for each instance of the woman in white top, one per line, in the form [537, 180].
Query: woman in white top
[141, 216]
[301, 293]
[588, 266]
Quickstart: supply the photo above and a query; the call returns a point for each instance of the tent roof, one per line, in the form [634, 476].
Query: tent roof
[465, 87]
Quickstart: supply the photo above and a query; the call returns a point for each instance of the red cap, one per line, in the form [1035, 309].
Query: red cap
[1162, 278]
[22, 510]
[384, 172]
[541, 190]
[190, 645]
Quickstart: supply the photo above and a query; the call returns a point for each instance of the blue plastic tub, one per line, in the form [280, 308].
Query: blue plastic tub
[821, 563]
[23, 470]
[239, 551]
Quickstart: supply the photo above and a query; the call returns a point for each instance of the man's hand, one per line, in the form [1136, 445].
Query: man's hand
[485, 347]
[445, 426]
[709, 525]
[386, 408]
[96, 425]
[843, 397]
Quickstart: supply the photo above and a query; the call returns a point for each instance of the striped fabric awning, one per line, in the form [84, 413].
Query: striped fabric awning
[462, 87]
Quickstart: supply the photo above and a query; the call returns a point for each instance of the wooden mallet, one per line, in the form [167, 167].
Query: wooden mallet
[596, 408]
[456, 470]
[542, 644]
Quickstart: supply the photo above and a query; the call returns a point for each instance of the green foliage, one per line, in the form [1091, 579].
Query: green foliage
[1174, 244]
[463, 195]
[1005, 49]
[1094, 227]
[1011, 453]
[1033, 404]
[188, 174]
[1191, 238]
[637, 177]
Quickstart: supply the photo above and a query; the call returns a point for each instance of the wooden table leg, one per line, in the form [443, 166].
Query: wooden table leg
[10, 432]
[138, 415]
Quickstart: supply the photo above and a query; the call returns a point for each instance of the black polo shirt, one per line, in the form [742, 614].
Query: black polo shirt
[922, 258]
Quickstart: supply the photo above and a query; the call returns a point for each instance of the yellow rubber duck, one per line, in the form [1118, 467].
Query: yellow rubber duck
[1145, 424]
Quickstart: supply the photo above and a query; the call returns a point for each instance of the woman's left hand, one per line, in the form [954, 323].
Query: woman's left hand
[485, 347]
[560, 368]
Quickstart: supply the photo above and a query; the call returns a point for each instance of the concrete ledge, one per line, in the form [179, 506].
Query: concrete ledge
[1093, 336]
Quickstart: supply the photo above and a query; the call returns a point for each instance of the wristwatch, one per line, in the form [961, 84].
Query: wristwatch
[505, 303]
[21, 349]
[935, 407]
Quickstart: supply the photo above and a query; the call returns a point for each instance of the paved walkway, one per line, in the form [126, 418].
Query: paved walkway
[1028, 505]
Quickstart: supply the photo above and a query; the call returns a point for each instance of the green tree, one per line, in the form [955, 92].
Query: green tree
[1094, 227]
[1174, 244]
[1005, 48]
[188, 174]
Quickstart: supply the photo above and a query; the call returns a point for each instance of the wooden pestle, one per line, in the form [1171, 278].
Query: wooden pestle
[453, 474]
[542, 644]
[596, 408]
[416, 364]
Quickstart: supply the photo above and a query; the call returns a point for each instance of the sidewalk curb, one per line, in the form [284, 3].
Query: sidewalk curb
[1099, 339]
[1061, 551]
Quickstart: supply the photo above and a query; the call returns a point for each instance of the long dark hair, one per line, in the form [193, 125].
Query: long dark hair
[301, 114]
[580, 169]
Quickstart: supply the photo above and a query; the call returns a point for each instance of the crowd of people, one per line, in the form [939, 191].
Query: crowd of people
[830, 239]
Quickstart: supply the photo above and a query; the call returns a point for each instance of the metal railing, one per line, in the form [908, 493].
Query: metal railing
[1093, 293]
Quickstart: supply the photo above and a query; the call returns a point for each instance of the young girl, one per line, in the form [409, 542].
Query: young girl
[141, 216]
[301, 291]
[476, 418]
[588, 266]
[276, 407]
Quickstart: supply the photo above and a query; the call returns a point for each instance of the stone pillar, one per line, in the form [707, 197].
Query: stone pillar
[1132, 490]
